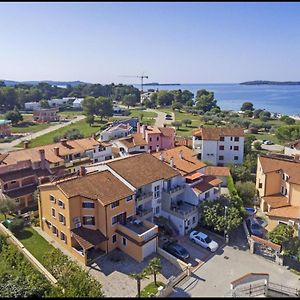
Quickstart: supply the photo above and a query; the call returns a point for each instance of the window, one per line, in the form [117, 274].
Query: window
[61, 218]
[54, 230]
[61, 204]
[114, 220]
[282, 176]
[114, 238]
[129, 198]
[53, 212]
[260, 185]
[221, 147]
[231, 138]
[157, 138]
[88, 204]
[156, 191]
[142, 147]
[52, 198]
[88, 220]
[17, 200]
[157, 210]
[206, 195]
[150, 139]
[150, 148]
[63, 237]
[115, 204]
[230, 147]
[236, 148]
[222, 138]
[56, 164]
[236, 139]
[221, 157]
[124, 241]
[236, 158]
[194, 220]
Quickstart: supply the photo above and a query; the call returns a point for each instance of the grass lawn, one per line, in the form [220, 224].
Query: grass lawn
[82, 126]
[148, 116]
[34, 243]
[151, 289]
[70, 114]
[266, 136]
[24, 127]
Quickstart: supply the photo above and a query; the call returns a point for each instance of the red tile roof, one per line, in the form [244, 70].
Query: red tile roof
[214, 133]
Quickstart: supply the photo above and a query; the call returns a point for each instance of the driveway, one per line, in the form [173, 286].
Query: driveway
[114, 278]
[160, 120]
[274, 148]
[213, 278]
[5, 147]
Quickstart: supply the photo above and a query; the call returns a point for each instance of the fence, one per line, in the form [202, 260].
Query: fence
[37, 265]
[292, 263]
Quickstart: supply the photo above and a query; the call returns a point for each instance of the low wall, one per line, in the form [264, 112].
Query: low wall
[172, 259]
[28, 255]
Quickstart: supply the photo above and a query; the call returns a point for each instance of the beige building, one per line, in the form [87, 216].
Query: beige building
[92, 214]
[278, 187]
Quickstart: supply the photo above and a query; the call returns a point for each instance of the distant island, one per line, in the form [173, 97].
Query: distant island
[156, 83]
[35, 82]
[260, 82]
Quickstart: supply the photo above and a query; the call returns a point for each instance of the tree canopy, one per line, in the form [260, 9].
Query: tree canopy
[247, 106]
[205, 100]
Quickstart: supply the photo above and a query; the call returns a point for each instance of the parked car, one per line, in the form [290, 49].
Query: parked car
[176, 250]
[168, 115]
[267, 142]
[168, 118]
[203, 240]
[255, 228]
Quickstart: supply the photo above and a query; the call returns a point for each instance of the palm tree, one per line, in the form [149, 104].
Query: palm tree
[139, 277]
[154, 267]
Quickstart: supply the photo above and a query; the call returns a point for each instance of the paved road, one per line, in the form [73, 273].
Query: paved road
[5, 147]
[160, 120]
[230, 263]
[275, 148]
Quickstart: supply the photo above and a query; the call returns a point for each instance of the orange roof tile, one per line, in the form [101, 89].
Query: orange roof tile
[214, 133]
[167, 131]
[217, 171]
[276, 201]
[287, 212]
[133, 140]
[208, 183]
[194, 176]
[188, 164]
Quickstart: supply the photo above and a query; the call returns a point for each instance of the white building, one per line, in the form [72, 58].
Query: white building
[77, 103]
[292, 148]
[57, 102]
[32, 106]
[219, 146]
[115, 132]
[117, 110]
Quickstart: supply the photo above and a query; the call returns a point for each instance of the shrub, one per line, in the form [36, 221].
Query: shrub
[281, 234]
[257, 145]
[16, 225]
[231, 187]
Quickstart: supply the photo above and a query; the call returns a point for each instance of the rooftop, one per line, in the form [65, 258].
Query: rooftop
[287, 212]
[208, 183]
[133, 140]
[214, 133]
[3, 122]
[217, 171]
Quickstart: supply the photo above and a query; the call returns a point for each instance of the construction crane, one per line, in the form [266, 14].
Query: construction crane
[138, 76]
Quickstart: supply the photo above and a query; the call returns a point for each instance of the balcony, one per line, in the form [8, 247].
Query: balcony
[138, 230]
[144, 197]
[174, 191]
[183, 209]
[144, 213]
[75, 161]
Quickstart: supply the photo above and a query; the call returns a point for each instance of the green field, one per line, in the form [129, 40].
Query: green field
[82, 126]
[34, 243]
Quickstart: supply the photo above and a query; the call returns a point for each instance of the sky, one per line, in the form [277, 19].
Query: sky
[180, 42]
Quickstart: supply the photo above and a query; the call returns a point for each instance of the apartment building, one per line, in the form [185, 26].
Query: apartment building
[45, 115]
[22, 170]
[292, 148]
[278, 187]
[219, 146]
[131, 144]
[5, 128]
[32, 105]
[115, 132]
[160, 189]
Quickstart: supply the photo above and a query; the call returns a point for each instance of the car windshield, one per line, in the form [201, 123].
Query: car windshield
[255, 226]
[207, 240]
[179, 249]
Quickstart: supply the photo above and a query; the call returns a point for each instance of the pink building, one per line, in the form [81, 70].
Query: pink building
[45, 115]
[158, 138]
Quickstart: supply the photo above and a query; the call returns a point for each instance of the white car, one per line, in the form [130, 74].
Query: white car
[203, 240]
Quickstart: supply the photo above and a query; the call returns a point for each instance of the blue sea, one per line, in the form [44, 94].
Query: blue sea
[284, 99]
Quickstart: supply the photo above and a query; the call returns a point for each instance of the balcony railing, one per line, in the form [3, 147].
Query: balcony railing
[183, 211]
[176, 189]
[144, 196]
[144, 212]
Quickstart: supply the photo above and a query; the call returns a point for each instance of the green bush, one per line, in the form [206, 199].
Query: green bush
[16, 225]
[281, 234]
[231, 186]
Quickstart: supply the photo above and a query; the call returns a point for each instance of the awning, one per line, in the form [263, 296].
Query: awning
[88, 238]
[194, 176]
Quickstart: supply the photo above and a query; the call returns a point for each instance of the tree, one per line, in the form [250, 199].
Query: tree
[44, 104]
[14, 116]
[288, 120]
[16, 226]
[164, 98]
[89, 106]
[138, 277]
[205, 100]
[257, 145]
[105, 107]
[90, 119]
[248, 113]
[281, 234]
[154, 267]
[130, 100]
[186, 122]
[189, 103]
[141, 116]
[177, 105]
[264, 116]
[256, 113]
[249, 139]
[246, 190]
[186, 97]
[247, 106]
[288, 133]
[176, 124]
[7, 205]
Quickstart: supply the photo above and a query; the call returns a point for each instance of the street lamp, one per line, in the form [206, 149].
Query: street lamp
[225, 233]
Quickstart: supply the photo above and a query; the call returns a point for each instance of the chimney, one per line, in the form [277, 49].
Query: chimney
[56, 151]
[138, 127]
[157, 148]
[161, 156]
[26, 144]
[82, 171]
[297, 157]
[43, 159]
[63, 142]
[181, 154]
[172, 161]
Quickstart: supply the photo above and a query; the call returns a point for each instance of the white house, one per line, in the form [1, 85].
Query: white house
[292, 148]
[219, 146]
[100, 152]
[32, 105]
[115, 132]
[117, 110]
[77, 103]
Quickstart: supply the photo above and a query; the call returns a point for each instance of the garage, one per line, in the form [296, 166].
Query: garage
[149, 248]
